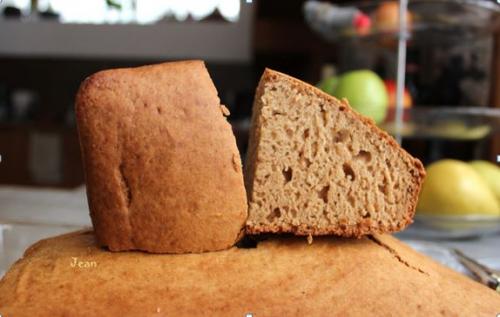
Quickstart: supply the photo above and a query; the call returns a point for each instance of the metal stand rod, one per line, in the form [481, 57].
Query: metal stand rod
[401, 68]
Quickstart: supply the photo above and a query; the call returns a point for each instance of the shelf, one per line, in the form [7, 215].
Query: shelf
[434, 22]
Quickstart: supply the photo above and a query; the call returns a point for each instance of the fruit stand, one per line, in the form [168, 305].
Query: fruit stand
[459, 200]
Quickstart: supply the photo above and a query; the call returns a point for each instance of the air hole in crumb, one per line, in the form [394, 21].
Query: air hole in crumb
[370, 168]
[396, 185]
[348, 171]
[293, 212]
[351, 200]
[287, 174]
[388, 163]
[364, 156]
[325, 215]
[324, 115]
[289, 132]
[308, 162]
[306, 134]
[382, 188]
[277, 113]
[341, 136]
[275, 214]
[315, 149]
[304, 159]
[367, 215]
[323, 193]
[158, 109]
[341, 108]
[274, 135]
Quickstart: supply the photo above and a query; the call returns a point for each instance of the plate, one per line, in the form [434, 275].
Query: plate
[445, 256]
[445, 123]
[452, 227]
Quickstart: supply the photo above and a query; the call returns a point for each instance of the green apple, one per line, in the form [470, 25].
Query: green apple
[454, 188]
[328, 84]
[490, 174]
[366, 93]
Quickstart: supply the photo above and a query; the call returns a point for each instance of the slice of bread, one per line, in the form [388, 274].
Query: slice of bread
[316, 167]
[162, 168]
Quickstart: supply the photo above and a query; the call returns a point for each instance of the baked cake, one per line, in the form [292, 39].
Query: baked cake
[316, 167]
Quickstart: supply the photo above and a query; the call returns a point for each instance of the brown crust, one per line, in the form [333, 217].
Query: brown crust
[376, 275]
[362, 229]
[162, 168]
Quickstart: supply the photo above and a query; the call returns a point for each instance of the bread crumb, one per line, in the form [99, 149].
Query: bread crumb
[236, 163]
[309, 239]
[225, 110]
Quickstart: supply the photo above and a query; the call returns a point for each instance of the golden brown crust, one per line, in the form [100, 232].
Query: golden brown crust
[162, 168]
[375, 276]
[367, 226]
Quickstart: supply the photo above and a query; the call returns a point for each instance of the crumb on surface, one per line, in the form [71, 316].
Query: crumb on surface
[225, 110]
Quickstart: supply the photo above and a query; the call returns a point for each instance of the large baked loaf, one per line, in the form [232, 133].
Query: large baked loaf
[70, 276]
[316, 167]
[162, 168]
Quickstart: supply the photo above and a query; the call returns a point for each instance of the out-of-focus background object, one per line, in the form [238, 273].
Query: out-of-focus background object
[348, 48]
[28, 214]
[451, 106]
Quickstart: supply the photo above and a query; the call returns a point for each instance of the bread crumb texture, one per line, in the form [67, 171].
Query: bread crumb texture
[317, 167]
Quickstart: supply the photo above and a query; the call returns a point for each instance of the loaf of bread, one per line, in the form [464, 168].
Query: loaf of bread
[162, 168]
[377, 276]
[316, 167]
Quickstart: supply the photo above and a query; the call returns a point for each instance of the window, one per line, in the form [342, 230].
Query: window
[131, 11]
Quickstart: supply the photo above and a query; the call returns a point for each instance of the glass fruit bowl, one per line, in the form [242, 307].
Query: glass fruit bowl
[450, 123]
[438, 22]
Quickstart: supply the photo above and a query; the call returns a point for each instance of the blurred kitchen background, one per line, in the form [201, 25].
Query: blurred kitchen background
[47, 47]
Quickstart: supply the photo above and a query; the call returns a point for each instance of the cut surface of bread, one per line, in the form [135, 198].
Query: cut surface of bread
[316, 167]
[162, 168]
[373, 276]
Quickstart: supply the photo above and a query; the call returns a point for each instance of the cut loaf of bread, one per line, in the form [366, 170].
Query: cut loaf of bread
[162, 168]
[373, 276]
[316, 167]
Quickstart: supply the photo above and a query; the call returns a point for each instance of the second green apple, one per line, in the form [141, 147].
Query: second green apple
[365, 92]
